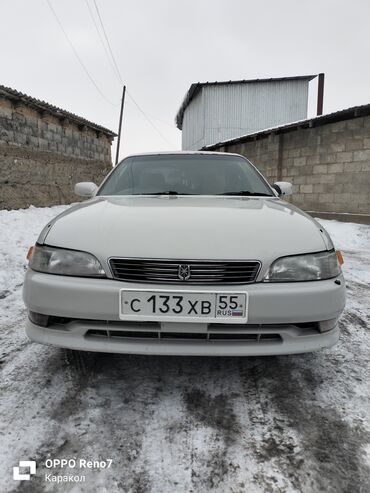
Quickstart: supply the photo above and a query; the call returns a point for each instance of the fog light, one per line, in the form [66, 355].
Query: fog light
[39, 319]
[327, 325]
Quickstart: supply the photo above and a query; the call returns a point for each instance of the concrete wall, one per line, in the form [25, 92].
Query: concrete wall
[329, 165]
[43, 156]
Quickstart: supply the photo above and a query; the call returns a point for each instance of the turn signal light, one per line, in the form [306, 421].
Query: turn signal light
[339, 257]
[29, 253]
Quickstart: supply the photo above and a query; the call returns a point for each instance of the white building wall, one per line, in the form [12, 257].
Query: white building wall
[193, 126]
[225, 111]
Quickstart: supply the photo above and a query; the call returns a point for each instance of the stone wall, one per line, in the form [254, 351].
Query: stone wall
[329, 165]
[42, 156]
[43, 178]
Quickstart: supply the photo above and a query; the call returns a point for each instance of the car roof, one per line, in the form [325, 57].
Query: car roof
[183, 153]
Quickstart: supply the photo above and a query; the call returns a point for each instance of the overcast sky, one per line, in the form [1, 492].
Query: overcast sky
[163, 46]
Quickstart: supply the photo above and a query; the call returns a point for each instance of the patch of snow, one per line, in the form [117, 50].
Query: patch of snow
[348, 236]
[354, 242]
[19, 230]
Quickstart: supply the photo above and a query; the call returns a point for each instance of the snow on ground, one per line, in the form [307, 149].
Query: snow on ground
[354, 242]
[19, 230]
[274, 424]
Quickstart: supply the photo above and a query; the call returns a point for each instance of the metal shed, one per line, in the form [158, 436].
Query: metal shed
[215, 111]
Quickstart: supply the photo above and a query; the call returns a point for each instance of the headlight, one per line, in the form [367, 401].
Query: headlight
[65, 262]
[309, 267]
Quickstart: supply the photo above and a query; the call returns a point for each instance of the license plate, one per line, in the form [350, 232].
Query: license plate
[187, 306]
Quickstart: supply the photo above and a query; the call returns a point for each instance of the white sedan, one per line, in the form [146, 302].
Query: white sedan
[185, 254]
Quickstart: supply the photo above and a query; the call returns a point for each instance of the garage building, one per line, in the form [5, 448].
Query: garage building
[215, 111]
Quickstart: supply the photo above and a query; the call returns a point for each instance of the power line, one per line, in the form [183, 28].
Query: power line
[120, 77]
[172, 125]
[77, 55]
[102, 41]
[149, 120]
[107, 40]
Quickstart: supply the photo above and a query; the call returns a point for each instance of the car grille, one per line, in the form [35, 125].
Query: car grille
[189, 336]
[184, 271]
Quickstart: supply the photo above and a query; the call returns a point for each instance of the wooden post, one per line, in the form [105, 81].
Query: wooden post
[120, 124]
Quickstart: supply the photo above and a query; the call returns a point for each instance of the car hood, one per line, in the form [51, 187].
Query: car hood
[223, 228]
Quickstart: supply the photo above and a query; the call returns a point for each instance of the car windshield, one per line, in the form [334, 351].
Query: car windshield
[192, 174]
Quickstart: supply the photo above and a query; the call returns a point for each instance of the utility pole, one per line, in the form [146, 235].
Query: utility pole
[120, 124]
[320, 94]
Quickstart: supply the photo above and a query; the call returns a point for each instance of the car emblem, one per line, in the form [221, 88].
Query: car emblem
[184, 272]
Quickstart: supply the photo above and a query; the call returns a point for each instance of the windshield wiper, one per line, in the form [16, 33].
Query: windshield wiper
[247, 193]
[167, 192]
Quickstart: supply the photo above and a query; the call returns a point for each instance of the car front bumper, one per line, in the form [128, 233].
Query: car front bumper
[276, 314]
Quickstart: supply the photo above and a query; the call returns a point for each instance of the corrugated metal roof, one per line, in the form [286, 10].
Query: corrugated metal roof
[196, 87]
[336, 116]
[14, 95]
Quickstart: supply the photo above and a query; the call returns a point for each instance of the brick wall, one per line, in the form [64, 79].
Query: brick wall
[43, 156]
[329, 165]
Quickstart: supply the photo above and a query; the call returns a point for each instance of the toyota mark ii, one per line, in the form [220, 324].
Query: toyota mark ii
[184, 254]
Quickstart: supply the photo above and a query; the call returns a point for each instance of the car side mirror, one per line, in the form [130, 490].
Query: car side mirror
[283, 187]
[85, 189]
